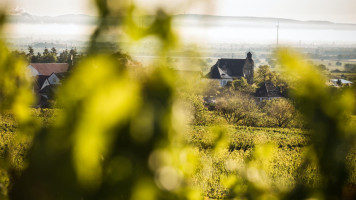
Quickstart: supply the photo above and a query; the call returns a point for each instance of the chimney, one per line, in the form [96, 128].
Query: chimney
[249, 55]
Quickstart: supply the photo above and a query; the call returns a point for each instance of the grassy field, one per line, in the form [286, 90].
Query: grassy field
[13, 149]
[225, 153]
[283, 152]
[349, 76]
[331, 64]
[280, 169]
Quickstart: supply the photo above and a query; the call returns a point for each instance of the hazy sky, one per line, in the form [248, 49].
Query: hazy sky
[329, 10]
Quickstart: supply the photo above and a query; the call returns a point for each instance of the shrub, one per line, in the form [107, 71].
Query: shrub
[237, 108]
[280, 112]
[198, 112]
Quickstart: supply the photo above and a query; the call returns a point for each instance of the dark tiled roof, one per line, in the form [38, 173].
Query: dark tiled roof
[227, 68]
[46, 90]
[49, 68]
[214, 73]
[40, 79]
[233, 67]
[268, 90]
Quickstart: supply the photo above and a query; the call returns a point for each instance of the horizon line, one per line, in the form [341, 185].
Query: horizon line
[193, 14]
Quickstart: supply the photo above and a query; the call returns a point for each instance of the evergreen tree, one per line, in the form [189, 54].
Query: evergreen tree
[31, 52]
[31, 55]
[38, 58]
[54, 51]
[72, 56]
[48, 57]
[45, 52]
[64, 57]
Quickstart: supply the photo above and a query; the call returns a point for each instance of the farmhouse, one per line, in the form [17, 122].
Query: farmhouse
[47, 77]
[226, 70]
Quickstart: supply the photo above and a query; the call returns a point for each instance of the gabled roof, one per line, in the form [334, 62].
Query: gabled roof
[48, 68]
[214, 73]
[61, 76]
[227, 68]
[233, 67]
[268, 90]
[40, 79]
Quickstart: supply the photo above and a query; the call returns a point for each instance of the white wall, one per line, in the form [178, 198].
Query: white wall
[44, 84]
[33, 71]
[54, 80]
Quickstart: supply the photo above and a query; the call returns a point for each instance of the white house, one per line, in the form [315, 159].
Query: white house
[47, 77]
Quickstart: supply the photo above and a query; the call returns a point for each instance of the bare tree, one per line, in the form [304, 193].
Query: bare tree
[236, 107]
[280, 112]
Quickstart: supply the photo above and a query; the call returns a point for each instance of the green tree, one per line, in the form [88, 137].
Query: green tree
[31, 57]
[31, 52]
[350, 67]
[73, 56]
[264, 74]
[48, 57]
[241, 85]
[199, 112]
[45, 52]
[321, 67]
[54, 51]
[64, 57]
[38, 58]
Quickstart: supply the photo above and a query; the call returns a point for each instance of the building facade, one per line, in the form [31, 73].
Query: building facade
[226, 70]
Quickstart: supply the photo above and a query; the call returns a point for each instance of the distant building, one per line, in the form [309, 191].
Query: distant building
[268, 92]
[47, 77]
[340, 82]
[226, 70]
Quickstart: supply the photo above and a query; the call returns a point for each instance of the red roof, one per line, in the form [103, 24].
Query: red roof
[49, 68]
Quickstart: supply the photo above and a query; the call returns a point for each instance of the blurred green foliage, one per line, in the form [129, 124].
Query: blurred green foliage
[116, 134]
[119, 132]
[227, 173]
[326, 111]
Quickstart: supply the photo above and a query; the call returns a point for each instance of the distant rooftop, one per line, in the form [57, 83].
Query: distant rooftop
[268, 90]
[226, 68]
[47, 69]
[343, 81]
